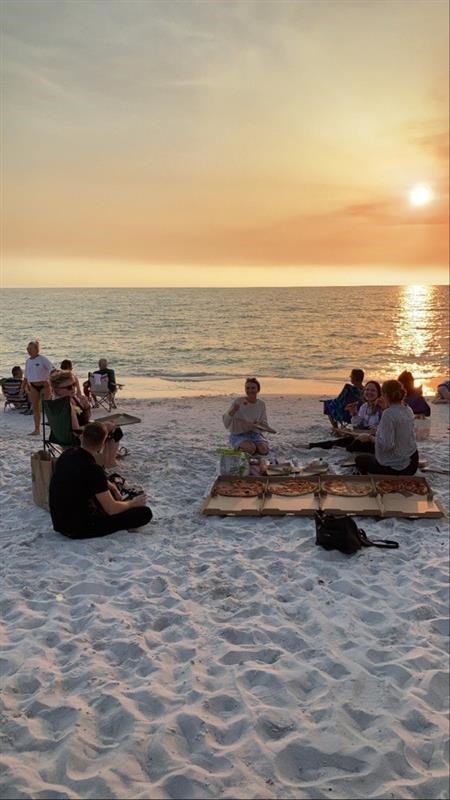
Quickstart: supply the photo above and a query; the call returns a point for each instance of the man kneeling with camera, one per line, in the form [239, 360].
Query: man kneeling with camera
[83, 503]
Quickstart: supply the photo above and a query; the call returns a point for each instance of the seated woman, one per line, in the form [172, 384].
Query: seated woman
[63, 385]
[414, 396]
[83, 503]
[394, 440]
[365, 419]
[352, 392]
[442, 393]
[241, 417]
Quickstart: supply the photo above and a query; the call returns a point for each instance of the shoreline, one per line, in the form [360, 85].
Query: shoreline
[145, 388]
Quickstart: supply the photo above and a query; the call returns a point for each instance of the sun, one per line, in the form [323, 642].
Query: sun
[420, 195]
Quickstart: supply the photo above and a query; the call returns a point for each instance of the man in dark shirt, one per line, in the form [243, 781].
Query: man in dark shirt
[83, 504]
[109, 378]
[103, 369]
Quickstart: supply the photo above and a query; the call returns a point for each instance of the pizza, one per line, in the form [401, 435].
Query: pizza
[239, 487]
[292, 487]
[413, 485]
[346, 487]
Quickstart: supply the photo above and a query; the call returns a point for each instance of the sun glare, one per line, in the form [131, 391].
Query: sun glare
[420, 195]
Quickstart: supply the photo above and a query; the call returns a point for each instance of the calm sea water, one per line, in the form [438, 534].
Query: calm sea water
[209, 335]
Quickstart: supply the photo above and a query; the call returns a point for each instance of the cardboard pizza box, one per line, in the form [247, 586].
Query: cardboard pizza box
[223, 505]
[365, 506]
[405, 504]
[297, 504]
[376, 504]
[342, 503]
[119, 419]
[232, 506]
[397, 505]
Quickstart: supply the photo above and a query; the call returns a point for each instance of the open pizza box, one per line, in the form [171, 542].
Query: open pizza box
[334, 494]
[297, 504]
[404, 503]
[223, 505]
[358, 495]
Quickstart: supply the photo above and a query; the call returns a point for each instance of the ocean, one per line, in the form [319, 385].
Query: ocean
[197, 338]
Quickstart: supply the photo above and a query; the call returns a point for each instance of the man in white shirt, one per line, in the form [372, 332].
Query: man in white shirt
[35, 382]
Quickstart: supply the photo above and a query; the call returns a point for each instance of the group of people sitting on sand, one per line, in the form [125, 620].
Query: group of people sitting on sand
[382, 419]
[85, 502]
[40, 380]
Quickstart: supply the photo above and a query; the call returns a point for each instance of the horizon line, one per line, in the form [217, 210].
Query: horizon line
[265, 286]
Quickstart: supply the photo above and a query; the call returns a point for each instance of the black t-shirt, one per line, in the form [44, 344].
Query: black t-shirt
[75, 482]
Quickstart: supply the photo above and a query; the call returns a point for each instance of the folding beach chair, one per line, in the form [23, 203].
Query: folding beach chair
[14, 397]
[57, 423]
[101, 391]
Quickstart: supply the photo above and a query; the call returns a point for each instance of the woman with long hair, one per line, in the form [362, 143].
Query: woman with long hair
[64, 385]
[394, 440]
[365, 420]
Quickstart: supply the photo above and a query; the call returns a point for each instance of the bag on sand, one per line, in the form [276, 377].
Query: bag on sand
[342, 533]
[127, 490]
[42, 466]
[233, 462]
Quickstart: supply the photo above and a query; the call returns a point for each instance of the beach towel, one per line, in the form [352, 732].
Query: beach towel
[336, 408]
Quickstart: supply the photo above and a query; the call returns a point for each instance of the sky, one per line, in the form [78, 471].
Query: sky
[228, 143]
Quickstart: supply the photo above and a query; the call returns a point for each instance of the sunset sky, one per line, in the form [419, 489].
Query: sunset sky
[229, 143]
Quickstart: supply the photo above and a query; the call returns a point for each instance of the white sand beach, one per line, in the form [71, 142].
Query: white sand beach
[209, 657]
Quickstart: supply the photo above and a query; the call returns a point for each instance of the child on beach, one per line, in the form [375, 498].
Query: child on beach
[243, 417]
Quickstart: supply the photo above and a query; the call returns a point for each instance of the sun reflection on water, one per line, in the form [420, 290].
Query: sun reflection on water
[413, 328]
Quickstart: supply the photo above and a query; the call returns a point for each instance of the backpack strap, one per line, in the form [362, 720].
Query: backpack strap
[389, 544]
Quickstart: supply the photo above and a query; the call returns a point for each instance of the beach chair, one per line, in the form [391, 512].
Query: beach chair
[101, 392]
[14, 397]
[57, 431]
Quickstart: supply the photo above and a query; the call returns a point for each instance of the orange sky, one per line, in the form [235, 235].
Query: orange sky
[224, 143]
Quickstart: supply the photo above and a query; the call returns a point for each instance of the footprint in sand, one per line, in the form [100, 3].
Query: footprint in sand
[267, 656]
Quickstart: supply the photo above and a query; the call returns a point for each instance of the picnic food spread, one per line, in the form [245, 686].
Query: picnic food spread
[292, 487]
[344, 487]
[414, 485]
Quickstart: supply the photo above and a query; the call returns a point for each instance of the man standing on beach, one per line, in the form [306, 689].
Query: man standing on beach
[83, 503]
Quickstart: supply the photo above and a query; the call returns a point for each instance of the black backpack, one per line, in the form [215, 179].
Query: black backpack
[342, 533]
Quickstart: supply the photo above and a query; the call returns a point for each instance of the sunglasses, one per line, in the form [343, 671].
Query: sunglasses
[69, 386]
